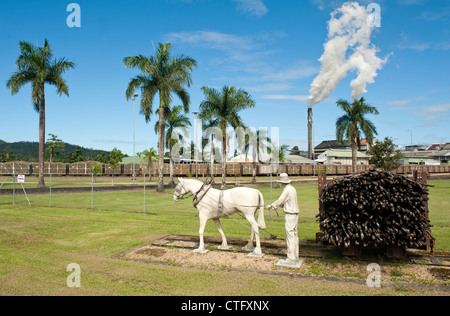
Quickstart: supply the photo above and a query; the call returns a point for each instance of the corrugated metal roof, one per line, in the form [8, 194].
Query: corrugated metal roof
[344, 153]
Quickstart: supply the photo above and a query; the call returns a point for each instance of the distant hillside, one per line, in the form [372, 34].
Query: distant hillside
[28, 151]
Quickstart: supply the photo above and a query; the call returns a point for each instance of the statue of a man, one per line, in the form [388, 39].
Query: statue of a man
[288, 200]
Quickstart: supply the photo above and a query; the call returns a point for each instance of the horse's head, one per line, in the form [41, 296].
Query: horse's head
[180, 191]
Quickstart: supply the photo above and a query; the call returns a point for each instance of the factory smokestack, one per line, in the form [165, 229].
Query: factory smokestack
[310, 130]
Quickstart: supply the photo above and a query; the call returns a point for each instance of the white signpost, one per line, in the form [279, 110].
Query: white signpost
[21, 180]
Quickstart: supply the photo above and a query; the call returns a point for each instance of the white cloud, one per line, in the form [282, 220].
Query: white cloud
[252, 7]
[404, 104]
[236, 47]
[435, 113]
[407, 43]
[411, 2]
[296, 71]
[299, 98]
[420, 45]
[433, 16]
[270, 86]
[244, 60]
[330, 5]
[443, 46]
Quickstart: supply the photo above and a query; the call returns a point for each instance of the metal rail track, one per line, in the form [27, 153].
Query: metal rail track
[308, 249]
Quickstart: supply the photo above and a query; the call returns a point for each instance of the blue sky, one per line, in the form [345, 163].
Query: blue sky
[270, 48]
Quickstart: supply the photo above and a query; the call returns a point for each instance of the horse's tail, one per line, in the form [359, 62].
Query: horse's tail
[261, 220]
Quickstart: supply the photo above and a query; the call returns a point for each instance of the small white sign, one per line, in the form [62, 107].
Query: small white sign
[21, 178]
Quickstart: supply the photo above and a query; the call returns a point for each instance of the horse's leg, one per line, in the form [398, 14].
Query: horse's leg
[203, 220]
[249, 246]
[219, 228]
[255, 231]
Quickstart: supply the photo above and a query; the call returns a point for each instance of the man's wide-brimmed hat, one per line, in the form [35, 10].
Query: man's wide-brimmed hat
[284, 178]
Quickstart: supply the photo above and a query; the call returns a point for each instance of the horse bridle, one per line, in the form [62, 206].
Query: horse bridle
[181, 196]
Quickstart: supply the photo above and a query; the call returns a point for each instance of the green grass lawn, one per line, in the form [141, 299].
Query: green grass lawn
[37, 243]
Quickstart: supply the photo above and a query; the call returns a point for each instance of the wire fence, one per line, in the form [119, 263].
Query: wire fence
[88, 191]
[110, 191]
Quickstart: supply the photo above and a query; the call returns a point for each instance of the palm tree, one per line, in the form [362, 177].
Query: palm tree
[350, 125]
[209, 134]
[161, 74]
[174, 119]
[258, 142]
[224, 106]
[280, 153]
[278, 156]
[37, 67]
[147, 156]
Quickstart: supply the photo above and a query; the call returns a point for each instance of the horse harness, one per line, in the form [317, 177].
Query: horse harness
[201, 193]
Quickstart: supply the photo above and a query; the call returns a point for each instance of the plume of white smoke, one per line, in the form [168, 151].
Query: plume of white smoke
[348, 48]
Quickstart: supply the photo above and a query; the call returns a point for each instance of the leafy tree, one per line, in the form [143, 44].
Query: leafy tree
[384, 155]
[225, 107]
[37, 67]
[353, 123]
[7, 155]
[77, 155]
[103, 158]
[54, 146]
[295, 151]
[96, 168]
[164, 74]
[115, 157]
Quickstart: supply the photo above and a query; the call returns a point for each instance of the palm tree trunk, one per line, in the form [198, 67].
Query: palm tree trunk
[150, 167]
[354, 155]
[354, 146]
[255, 159]
[212, 159]
[224, 157]
[161, 149]
[171, 182]
[41, 182]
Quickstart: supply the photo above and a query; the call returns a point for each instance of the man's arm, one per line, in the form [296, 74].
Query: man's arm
[280, 202]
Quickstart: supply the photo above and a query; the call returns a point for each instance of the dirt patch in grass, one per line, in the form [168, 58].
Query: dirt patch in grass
[149, 252]
[336, 269]
[217, 259]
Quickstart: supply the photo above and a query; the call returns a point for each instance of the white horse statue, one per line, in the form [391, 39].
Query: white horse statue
[214, 204]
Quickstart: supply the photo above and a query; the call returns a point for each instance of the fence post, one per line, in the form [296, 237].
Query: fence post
[14, 184]
[322, 181]
[92, 191]
[144, 192]
[271, 195]
[422, 178]
[50, 189]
